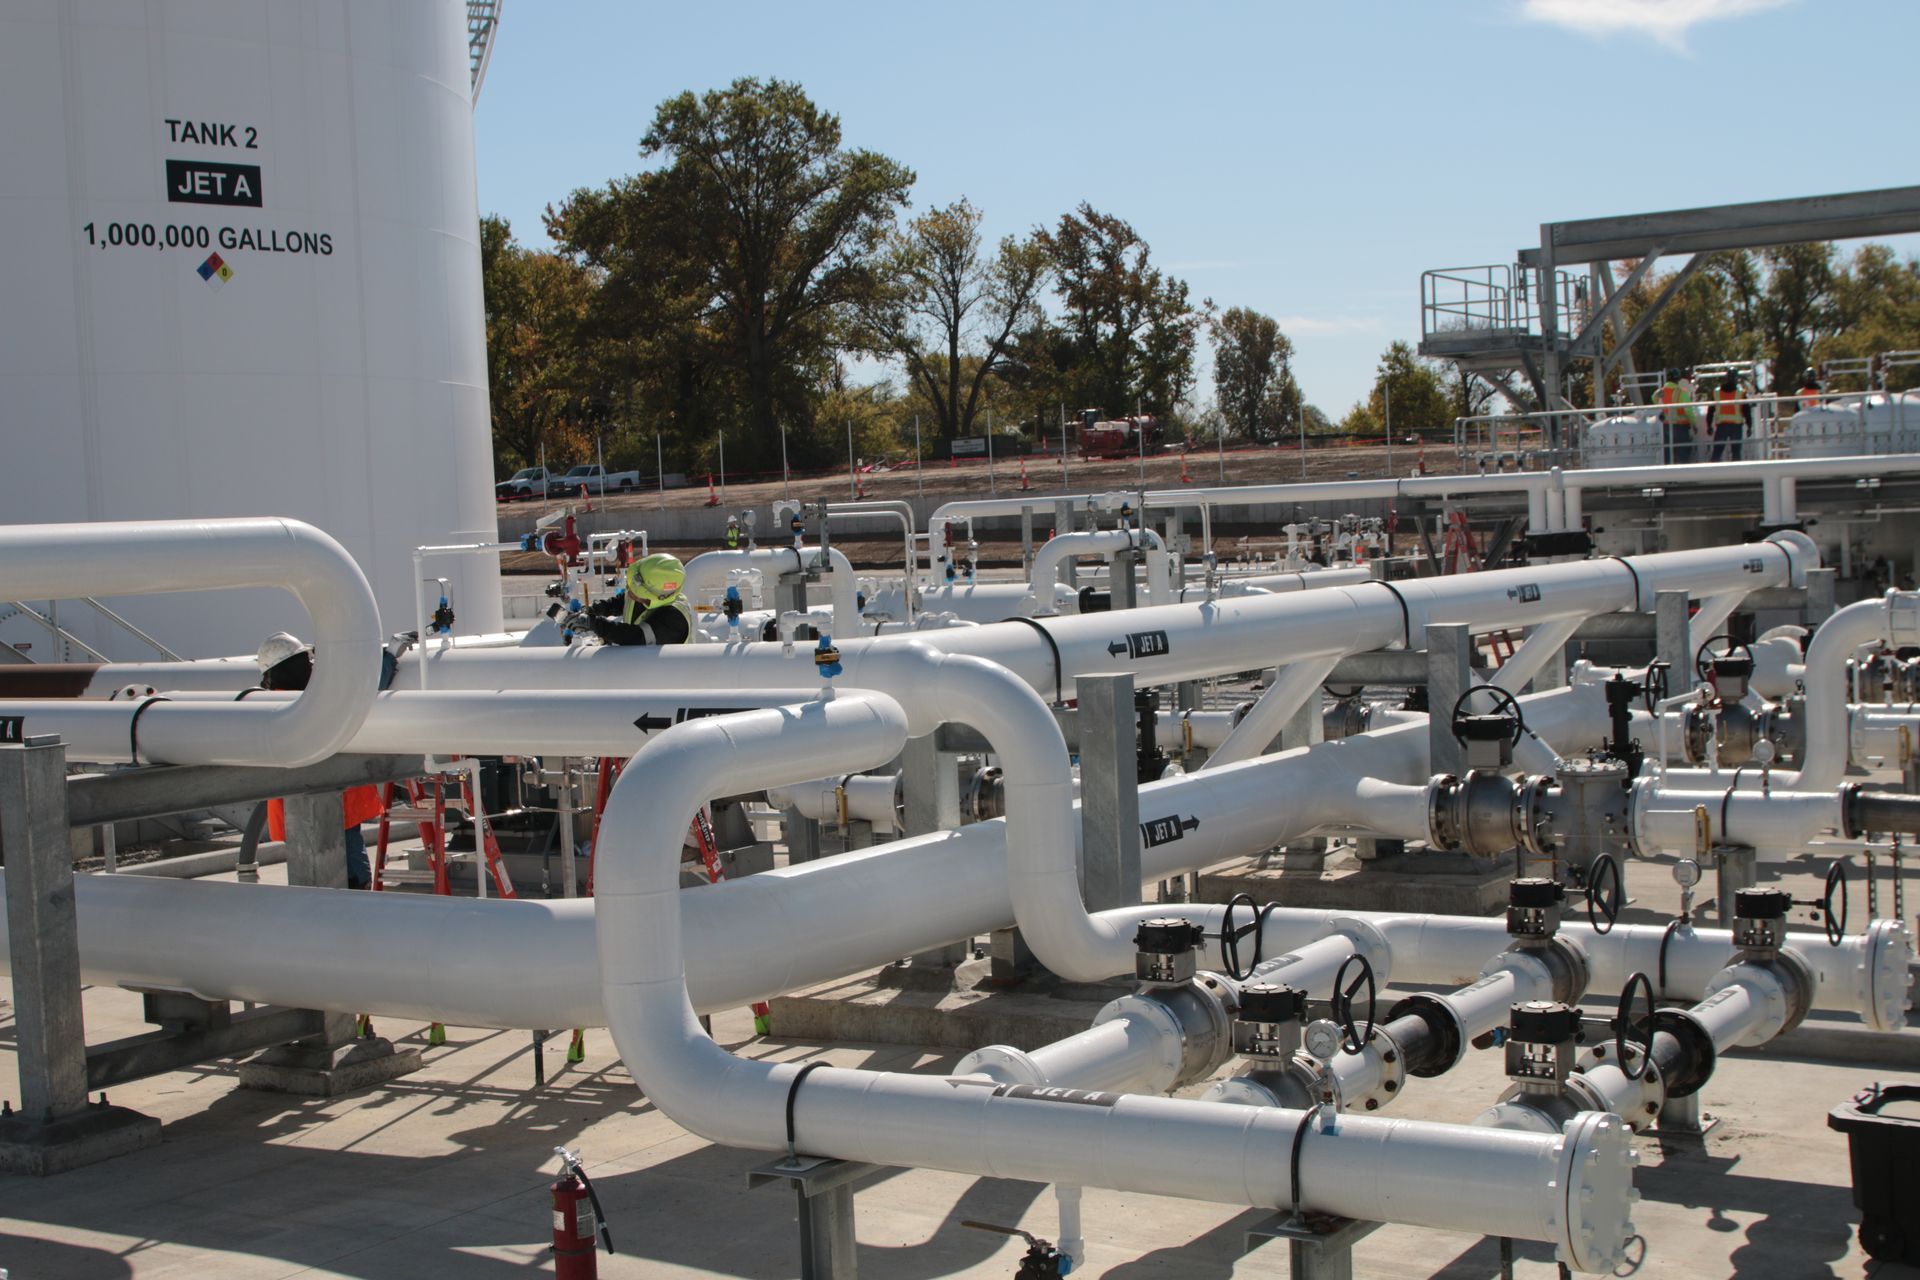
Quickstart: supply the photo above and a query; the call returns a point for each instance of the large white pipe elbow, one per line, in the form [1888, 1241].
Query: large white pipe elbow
[63, 562]
[707, 575]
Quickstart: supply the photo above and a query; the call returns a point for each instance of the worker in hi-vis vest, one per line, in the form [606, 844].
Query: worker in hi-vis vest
[1676, 414]
[1731, 421]
[651, 608]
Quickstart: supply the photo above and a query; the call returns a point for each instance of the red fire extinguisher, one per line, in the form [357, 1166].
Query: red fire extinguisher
[576, 1220]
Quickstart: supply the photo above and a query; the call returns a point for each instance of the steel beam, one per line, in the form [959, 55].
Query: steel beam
[1109, 793]
[156, 792]
[1754, 225]
[42, 928]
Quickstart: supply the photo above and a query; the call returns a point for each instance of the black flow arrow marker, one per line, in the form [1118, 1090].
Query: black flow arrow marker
[649, 723]
[1116, 648]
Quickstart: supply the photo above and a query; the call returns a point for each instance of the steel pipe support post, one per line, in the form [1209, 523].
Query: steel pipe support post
[1449, 674]
[55, 1129]
[1109, 793]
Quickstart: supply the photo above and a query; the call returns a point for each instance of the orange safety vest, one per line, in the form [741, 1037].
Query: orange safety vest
[1674, 411]
[1727, 411]
[1809, 397]
[361, 804]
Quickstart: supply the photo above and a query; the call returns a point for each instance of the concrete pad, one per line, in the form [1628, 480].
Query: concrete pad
[87, 1137]
[1449, 885]
[328, 1073]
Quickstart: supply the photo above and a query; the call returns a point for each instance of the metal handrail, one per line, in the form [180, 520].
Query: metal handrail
[132, 630]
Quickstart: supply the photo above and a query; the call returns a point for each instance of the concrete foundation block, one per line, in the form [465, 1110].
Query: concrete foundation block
[98, 1133]
[1399, 883]
[891, 1006]
[327, 1073]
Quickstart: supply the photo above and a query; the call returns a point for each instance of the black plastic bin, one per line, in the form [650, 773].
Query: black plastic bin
[1886, 1169]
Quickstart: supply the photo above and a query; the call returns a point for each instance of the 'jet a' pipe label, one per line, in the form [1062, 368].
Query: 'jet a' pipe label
[1159, 831]
[1142, 644]
[13, 728]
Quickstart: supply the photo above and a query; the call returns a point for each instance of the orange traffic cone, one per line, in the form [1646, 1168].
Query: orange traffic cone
[953, 462]
[1184, 477]
[1023, 473]
[859, 486]
[586, 498]
[1420, 460]
[713, 499]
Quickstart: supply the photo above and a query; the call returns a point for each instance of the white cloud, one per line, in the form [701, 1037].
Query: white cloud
[1667, 21]
[1329, 324]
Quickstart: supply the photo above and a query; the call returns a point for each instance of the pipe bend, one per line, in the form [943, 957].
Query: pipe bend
[113, 558]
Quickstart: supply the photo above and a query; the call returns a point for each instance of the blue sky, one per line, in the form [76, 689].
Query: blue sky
[1305, 159]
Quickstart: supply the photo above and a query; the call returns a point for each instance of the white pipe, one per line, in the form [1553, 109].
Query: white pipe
[1775, 820]
[435, 722]
[1062, 547]
[706, 574]
[1538, 649]
[1709, 618]
[863, 797]
[904, 513]
[1383, 1170]
[1162, 644]
[751, 937]
[1894, 620]
[115, 558]
[1256, 730]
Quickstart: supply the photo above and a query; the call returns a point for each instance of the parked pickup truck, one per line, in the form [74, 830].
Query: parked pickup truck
[527, 482]
[595, 481]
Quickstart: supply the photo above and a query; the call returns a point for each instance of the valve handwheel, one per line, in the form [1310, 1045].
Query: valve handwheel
[1503, 702]
[1835, 921]
[1343, 996]
[1656, 685]
[1605, 893]
[1626, 1031]
[1231, 938]
[1703, 657]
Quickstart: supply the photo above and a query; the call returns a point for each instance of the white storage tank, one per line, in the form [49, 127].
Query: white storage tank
[241, 276]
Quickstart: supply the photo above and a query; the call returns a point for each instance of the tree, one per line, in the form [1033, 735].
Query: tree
[1876, 308]
[1407, 394]
[1253, 376]
[540, 383]
[755, 240]
[1127, 333]
[950, 313]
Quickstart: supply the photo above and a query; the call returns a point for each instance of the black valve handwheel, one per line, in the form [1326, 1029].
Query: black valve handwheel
[1704, 655]
[1502, 701]
[1626, 1031]
[1343, 998]
[1605, 893]
[1657, 685]
[1835, 921]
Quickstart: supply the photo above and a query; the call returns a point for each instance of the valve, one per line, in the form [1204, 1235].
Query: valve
[1533, 907]
[733, 607]
[1760, 921]
[826, 659]
[1164, 950]
[1621, 694]
[1270, 1021]
[441, 623]
[1042, 1261]
[1489, 738]
[1540, 1040]
[1728, 672]
[1629, 1033]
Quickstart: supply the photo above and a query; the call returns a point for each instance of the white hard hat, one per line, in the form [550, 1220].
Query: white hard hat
[278, 648]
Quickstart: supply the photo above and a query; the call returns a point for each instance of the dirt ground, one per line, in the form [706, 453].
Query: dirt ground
[973, 479]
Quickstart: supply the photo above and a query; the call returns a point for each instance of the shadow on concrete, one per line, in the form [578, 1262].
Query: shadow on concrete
[1212, 1253]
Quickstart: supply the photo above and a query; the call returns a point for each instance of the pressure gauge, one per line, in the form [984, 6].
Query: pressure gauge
[1323, 1039]
[1686, 873]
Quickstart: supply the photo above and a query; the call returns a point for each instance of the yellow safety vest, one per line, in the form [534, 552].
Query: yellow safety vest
[1674, 411]
[1727, 410]
[635, 609]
